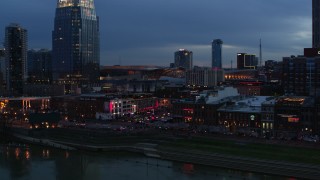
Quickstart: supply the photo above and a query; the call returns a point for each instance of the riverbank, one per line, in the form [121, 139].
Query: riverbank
[196, 153]
[281, 168]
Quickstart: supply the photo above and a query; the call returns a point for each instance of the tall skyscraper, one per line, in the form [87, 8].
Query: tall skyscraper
[316, 23]
[2, 62]
[217, 53]
[16, 57]
[183, 58]
[75, 41]
[2, 70]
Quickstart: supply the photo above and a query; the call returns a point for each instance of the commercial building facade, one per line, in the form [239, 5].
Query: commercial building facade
[295, 116]
[243, 116]
[267, 118]
[102, 106]
[301, 75]
[204, 109]
[204, 77]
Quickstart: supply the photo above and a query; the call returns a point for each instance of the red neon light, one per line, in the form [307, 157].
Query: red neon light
[251, 83]
[110, 106]
[186, 109]
[295, 120]
[148, 108]
[188, 168]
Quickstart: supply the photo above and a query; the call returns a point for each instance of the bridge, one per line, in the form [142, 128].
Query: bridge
[26, 102]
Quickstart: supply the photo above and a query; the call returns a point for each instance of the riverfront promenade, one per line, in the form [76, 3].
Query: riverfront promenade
[157, 148]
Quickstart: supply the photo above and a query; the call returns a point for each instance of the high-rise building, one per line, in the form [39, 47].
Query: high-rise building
[301, 75]
[183, 58]
[75, 41]
[2, 70]
[2, 62]
[246, 61]
[39, 66]
[217, 53]
[16, 56]
[316, 23]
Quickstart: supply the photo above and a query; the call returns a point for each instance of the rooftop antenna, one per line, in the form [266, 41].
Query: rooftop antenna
[260, 54]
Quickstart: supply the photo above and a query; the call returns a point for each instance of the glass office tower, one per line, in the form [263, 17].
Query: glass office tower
[217, 53]
[75, 41]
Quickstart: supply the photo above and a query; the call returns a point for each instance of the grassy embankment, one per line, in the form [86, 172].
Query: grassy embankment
[250, 150]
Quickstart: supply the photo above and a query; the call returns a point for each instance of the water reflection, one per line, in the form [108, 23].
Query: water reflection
[27, 154]
[17, 153]
[188, 168]
[37, 162]
[67, 154]
[45, 153]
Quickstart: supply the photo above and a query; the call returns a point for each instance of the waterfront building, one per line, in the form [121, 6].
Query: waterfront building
[204, 77]
[79, 107]
[246, 61]
[295, 117]
[39, 66]
[75, 41]
[183, 58]
[204, 108]
[102, 106]
[16, 39]
[118, 107]
[216, 50]
[243, 116]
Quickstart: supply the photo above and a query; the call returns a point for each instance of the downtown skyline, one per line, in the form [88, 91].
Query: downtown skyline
[148, 33]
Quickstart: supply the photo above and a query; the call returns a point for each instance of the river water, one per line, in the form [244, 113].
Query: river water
[42, 163]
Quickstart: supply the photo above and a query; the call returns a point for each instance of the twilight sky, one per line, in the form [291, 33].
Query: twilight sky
[147, 32]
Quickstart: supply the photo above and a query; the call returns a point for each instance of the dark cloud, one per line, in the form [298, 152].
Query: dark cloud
[149, 31]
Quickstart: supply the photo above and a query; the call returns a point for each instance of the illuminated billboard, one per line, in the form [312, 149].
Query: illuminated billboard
[293, 119]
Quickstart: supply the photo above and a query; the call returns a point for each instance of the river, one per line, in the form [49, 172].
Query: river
[32, 162]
